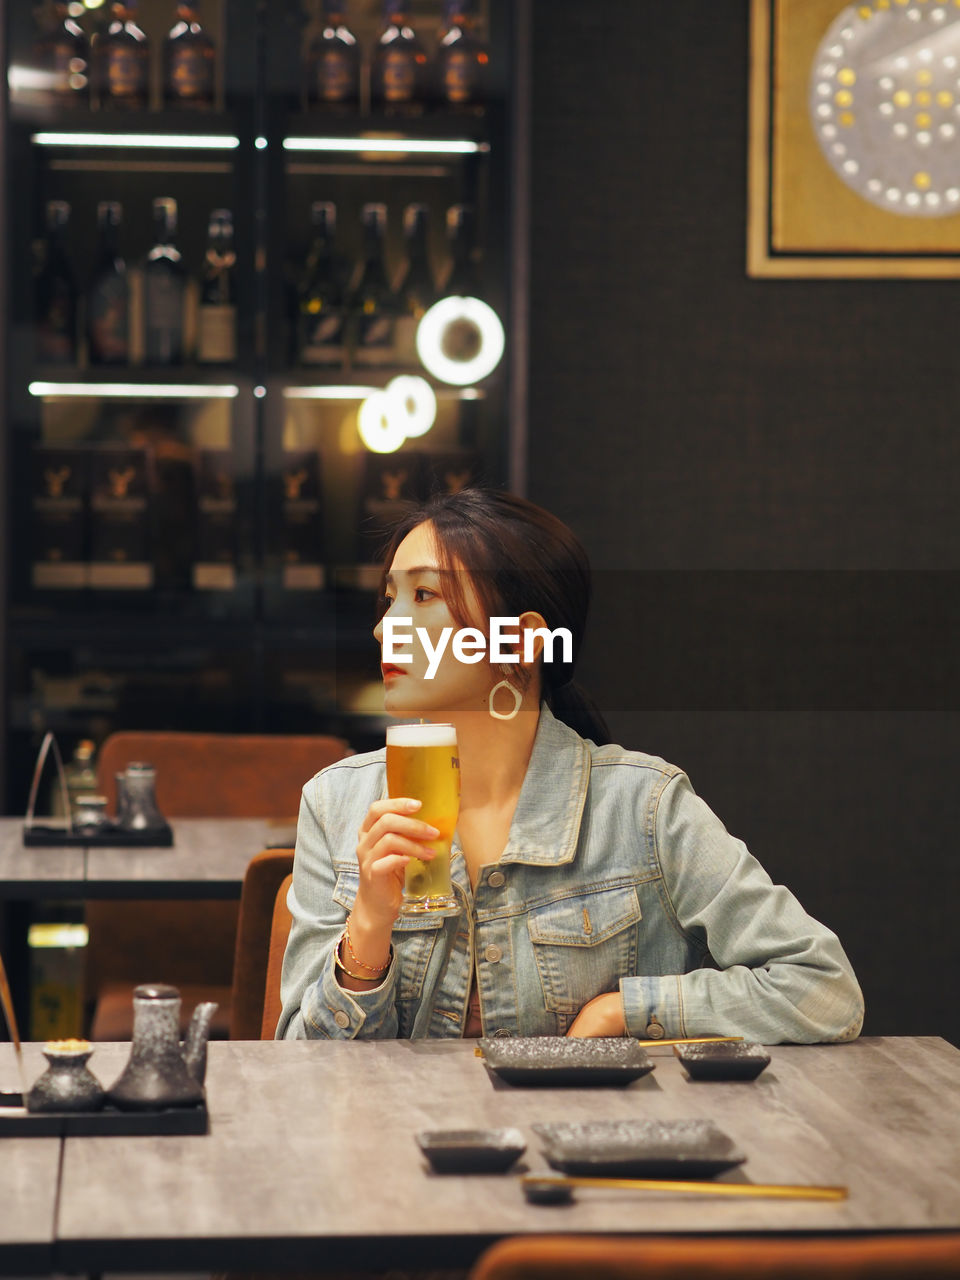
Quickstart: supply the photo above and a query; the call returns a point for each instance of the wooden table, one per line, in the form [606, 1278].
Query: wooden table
[207, 860]
[311, 1160]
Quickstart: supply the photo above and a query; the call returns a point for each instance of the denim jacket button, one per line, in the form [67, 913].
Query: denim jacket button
[496, 879]
[502, 1033]
[654, 1030]
[341, 1019]
[492, 953]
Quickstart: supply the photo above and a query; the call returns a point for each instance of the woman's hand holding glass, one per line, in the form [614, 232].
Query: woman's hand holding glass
[388, 838]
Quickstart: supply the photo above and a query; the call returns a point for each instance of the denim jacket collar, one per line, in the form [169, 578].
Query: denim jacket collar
[546, 823]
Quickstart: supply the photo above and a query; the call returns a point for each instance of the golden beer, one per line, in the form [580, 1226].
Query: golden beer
[422, 763]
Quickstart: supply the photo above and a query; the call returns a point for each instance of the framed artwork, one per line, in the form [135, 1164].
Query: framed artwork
[854, 161]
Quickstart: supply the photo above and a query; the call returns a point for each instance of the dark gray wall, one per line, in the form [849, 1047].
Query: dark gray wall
[765, 474]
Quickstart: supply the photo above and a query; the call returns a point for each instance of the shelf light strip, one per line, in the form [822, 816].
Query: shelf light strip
[328, 393]
[400, 146]
[136, 390]
[156, 141]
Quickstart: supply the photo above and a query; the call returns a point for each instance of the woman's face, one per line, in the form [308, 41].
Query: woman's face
[415, 590]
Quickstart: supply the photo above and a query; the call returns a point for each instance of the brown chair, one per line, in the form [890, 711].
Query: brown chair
[190, 943]
[279, 932]
[923, 1256]
[265, 874]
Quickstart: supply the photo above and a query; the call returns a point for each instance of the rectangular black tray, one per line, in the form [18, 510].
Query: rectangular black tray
[36, 835]
[109, 1122]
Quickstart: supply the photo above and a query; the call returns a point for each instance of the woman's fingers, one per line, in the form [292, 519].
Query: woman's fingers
[390, 804]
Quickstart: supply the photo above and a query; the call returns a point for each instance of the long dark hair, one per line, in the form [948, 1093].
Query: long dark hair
[518, 557]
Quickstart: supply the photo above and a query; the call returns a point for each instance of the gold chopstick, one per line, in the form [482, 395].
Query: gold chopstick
[651, 1044]
[782, 1191]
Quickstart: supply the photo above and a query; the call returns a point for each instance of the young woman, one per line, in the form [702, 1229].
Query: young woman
[600, 896]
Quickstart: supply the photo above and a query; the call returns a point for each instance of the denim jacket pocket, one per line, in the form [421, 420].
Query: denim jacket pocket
[414, 939]
[583, 945]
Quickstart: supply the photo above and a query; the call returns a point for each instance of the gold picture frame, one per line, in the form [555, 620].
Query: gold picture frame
[802, 219]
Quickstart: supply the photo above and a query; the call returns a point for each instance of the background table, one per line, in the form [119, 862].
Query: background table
[311, 1159]
[207, 860]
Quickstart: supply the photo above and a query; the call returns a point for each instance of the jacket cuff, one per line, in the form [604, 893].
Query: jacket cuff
[332, 1012]
[652, 1007]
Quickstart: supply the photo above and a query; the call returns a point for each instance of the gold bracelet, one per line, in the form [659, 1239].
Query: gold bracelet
[374, 968]
[359, 977]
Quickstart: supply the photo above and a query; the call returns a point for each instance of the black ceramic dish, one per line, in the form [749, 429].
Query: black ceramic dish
[471, 1150]
[740, 1060]
[555, 1060]
[639, 1148]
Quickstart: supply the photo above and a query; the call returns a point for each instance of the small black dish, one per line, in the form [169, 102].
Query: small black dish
[11, 1098]
[547, 1189]
[557, 1061]
[738, 1060]
[471, 1150]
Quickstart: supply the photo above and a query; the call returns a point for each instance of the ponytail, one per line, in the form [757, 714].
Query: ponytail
[575, 707]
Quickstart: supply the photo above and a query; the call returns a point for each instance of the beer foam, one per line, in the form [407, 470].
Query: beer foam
[421, 735]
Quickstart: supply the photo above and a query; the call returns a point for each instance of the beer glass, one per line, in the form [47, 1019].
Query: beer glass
[422, 763]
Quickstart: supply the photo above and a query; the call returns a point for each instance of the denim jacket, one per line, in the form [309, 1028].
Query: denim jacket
[615, 876]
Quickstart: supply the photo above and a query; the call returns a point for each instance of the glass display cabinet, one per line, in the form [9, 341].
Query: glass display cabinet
[224, 224]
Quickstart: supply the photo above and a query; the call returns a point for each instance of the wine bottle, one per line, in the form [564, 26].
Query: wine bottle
[320, 293]
[124, 73]
[398, 71]
[163, 289]
[188, 61]
[217, 319]
[462, 60]
[108, 336]
[463, 279]
[332, 64]
[373, 302]
[416, 290]
[55, 292]
[70, 55]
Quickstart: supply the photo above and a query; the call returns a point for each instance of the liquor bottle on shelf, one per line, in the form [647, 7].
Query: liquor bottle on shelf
[300, 522]
[217, 315]
[70, 58]
[373, 303]
[123, 71]
[58, 529]
[108, 319]
[188, 61]
[120, 519]
[321, 293]
[463, 279]
[55, 293]
[163, 289]
[462, 60]
[215, 563]
[416, 290]
[398, 70]
[331, 63]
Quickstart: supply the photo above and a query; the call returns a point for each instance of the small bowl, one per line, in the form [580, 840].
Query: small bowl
[471, 1150]
[733, 1060]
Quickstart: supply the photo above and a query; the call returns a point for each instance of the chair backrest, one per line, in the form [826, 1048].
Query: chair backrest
[919, 1256]
[265, 872]
[279, 932]
[221, 775]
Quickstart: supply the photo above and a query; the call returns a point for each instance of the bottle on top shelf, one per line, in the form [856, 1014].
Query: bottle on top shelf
[217, 315]
[69, 59]
[399, 65]
[108, 330]
[331, 63]
[373, 302]
[463, 279]
[462, 60]
[55, 292]
[188, 61]
[321, 293]
[123, 71]
[163, 289]
[416, 290]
